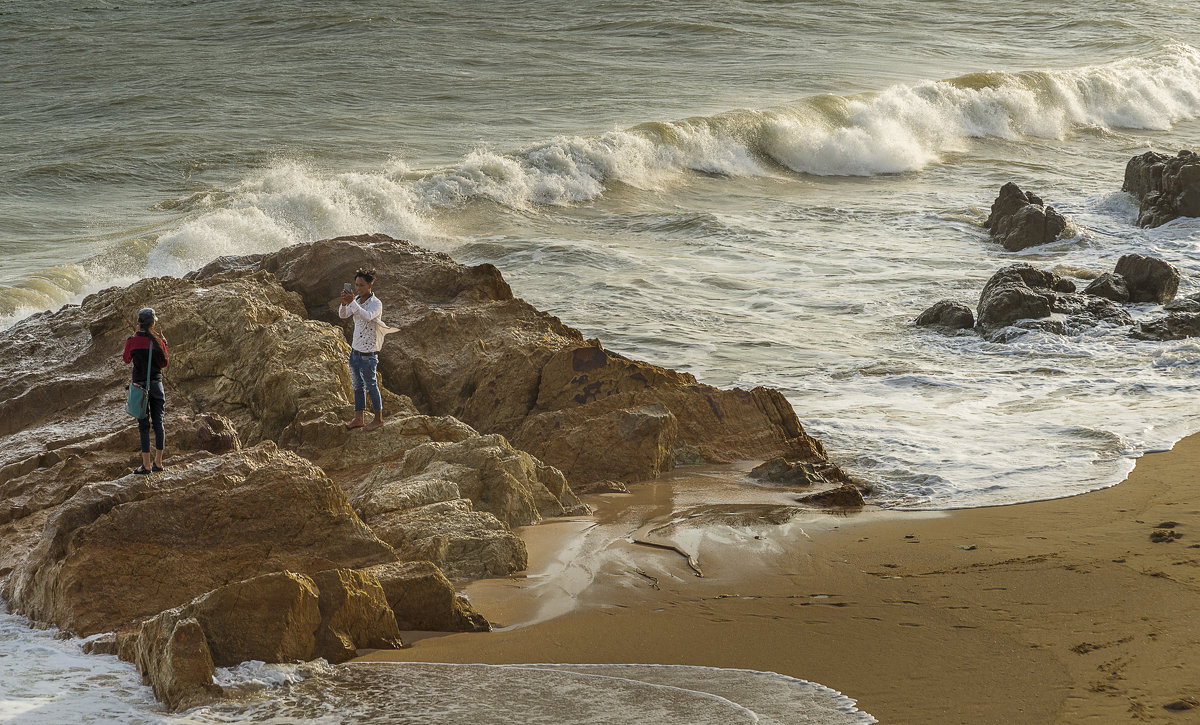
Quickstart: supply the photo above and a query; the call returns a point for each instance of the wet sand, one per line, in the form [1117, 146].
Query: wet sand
[1079, 610]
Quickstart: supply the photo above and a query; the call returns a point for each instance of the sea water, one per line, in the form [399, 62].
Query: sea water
[759, 193]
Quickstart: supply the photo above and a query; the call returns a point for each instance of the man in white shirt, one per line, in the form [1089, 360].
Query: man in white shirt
[366, 309]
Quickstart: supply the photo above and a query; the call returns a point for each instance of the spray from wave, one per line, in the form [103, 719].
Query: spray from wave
[904, 128]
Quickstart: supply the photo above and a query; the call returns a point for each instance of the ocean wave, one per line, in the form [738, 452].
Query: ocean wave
[902, 128]
[285, 204]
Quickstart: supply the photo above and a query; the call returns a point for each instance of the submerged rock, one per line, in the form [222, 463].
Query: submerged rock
[1168, 187]
[1175, 326]
[947, 314]
[1020, 219]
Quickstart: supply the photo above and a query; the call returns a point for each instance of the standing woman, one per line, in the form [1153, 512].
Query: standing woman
[367, 311]
[147, 346]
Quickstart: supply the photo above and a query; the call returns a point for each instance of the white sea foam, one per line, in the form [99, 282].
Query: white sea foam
[48, 681]
[285, 204]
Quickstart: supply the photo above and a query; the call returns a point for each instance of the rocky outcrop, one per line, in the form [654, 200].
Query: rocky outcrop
[468, 349]
[422, 598]
[1168, 187]
[1026, 298]
[1149, 279]
[245, 547]
[947, 314]
[1020, 219]
[186, 531]
[277, 617]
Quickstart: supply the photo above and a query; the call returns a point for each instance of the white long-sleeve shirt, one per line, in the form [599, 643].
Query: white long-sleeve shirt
[367, 335]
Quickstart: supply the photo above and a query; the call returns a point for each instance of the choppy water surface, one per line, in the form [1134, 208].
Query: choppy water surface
[758, 193]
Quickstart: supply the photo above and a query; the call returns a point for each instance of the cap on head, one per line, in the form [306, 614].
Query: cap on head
[146, 317]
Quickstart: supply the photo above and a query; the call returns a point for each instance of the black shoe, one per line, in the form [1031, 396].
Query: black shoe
[141, 470]
[157, 468]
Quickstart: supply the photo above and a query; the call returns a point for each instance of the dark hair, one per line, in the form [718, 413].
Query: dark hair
[146, 318]
[368, 275]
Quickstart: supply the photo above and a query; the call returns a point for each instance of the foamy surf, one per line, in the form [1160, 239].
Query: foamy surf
[49, 681]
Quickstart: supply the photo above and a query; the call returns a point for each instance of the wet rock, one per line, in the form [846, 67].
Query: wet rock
[947, 314]
[272, 618]
[1149, 279]
[174, 660]
[843, 497]
[1021, 219]
[1190, 303]
[602, 487]
[1109, 286]
[225, 518]
[1175, 326]
[1168, 187]
[1019, 328]
[467, 348]
[422, 598]
[787, 473]
[1018, 292]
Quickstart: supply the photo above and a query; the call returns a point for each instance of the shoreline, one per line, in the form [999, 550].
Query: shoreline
[1063, 611]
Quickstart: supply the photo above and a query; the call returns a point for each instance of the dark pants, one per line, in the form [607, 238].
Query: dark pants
[156, 416]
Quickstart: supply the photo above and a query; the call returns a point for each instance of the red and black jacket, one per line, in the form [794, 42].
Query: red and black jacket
[142, 341]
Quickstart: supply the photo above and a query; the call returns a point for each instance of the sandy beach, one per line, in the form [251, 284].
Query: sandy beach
[1077, 610]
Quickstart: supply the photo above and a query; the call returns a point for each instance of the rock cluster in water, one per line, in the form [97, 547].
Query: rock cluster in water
[277, 534]
[1020, 297]
[1168, 187]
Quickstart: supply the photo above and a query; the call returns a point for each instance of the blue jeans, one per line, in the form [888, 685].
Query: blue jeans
[362, 377]
[157, 403]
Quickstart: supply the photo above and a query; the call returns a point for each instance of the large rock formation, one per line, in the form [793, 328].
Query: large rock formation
[467, 348]
[1168, 187]
[1028, 298]
[122, 550]
[234, 548]
[1020, 219]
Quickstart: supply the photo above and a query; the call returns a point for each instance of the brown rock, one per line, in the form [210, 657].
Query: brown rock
[1109, 286]
[225, 518]
[354, 613]
[787, 473]
[843, 497]
[173, 658]
[424, 599]
[464, 543]
[468, 349]
[272, 617]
